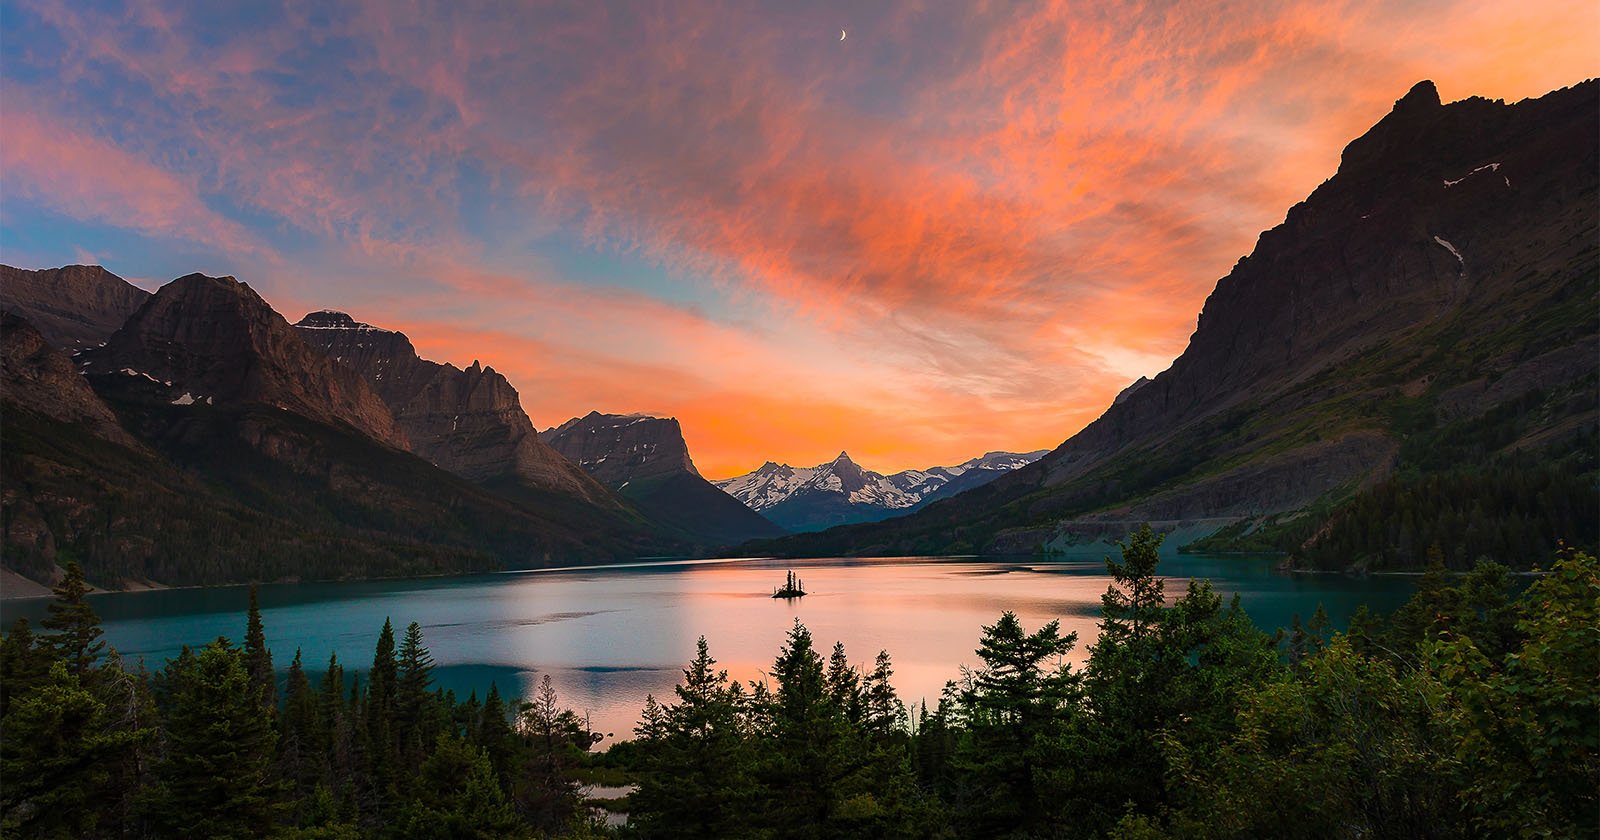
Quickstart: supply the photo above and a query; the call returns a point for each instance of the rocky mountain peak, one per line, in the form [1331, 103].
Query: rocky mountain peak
[72, 306]
[215, 338]
[469, 422]
[618, 448]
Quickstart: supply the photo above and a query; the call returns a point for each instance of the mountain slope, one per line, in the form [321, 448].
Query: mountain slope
[646, 460]
[469, 422]
[72, 306]
[215, 339]
[841, 492]
[238, 452]
[1429, 308]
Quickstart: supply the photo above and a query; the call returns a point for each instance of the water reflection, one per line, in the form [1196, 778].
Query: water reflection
[610, 636]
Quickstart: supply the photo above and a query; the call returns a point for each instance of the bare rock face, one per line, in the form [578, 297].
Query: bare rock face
[72, 306]
[214, 339]
[646, 460]
[623, 447]
[40, 378]
[1437, 210]
[469, 422]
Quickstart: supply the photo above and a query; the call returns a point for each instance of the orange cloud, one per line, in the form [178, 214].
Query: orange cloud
[962, 229]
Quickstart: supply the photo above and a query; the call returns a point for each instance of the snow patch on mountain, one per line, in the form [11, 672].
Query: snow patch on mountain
[773, 484]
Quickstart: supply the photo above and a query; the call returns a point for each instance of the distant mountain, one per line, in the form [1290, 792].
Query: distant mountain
[841, 492]
[469, 422]
[1409, 360]
[646, 460]
[72, 306]
[207, 442]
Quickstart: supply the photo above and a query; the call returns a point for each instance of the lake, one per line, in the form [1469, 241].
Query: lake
[610, 635]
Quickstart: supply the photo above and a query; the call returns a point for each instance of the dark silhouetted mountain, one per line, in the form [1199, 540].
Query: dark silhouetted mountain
[647, 461]
[841, 492]
[469, 422]
[238, 452]
[72, 306]
[40, 378]
[1430, 309]
[214, 339]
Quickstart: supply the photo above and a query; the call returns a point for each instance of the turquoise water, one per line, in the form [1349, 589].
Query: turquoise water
[608, 636]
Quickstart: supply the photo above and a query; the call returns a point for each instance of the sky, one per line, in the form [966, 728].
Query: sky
[963, 227]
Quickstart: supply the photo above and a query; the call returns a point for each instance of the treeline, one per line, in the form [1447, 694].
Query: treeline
[205, 747]
[1471, 712]
[1511, 511]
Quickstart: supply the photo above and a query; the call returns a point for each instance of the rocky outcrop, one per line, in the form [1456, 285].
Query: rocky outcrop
[469, 422]
[646, 460]
[214, 339]
[72, 306]
[616, 448]
[37, 377]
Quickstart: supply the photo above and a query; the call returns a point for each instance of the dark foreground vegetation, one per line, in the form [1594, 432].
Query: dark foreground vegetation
[1471, 712]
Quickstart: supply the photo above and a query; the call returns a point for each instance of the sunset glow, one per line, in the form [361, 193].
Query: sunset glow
[958, 230]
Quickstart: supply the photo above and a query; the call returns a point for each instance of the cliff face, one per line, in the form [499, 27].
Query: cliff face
[72, 306]
[215, 339]
[1440, 289]
[615, 448]
[469, 422]
[646, 460]
[1436, 208]
[37, 377]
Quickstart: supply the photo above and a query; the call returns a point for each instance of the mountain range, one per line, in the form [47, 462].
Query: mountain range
[1407, 363]
[841, 492]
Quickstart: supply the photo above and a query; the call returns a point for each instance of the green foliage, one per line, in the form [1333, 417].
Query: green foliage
[215, 779]
[1473, 712]
[1511, 511]
[75, 629]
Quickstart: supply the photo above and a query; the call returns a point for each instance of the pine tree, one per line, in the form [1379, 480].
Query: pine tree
[698, 782]
[494, 733]
[59, 748]
[1016, 708]
[23, 663]
[459, 797]
[555, 739]
[379, 736]
[884, 715]
[257, 657]
[414, 721]
[75, 636]
[215, 779]
[302, 741]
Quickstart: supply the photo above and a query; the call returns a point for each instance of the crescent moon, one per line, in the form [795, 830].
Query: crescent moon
[841, 34]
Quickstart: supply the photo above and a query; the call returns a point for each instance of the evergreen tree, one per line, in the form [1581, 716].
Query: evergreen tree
[555, 740]
[698, 782]
[75, 628]
[258, 659]
[1015, 710]
[884, 715]
[378, 738]
[812, 765]
[495, 735]
[458, 797]
[302, 741]
[57, 757]
[23, 663]
[415, 725]
[215, 778]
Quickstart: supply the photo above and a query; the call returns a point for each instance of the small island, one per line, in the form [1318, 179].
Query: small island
[792, 588]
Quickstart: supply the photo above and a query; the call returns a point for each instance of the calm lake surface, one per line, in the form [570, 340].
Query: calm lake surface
[608, 636]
